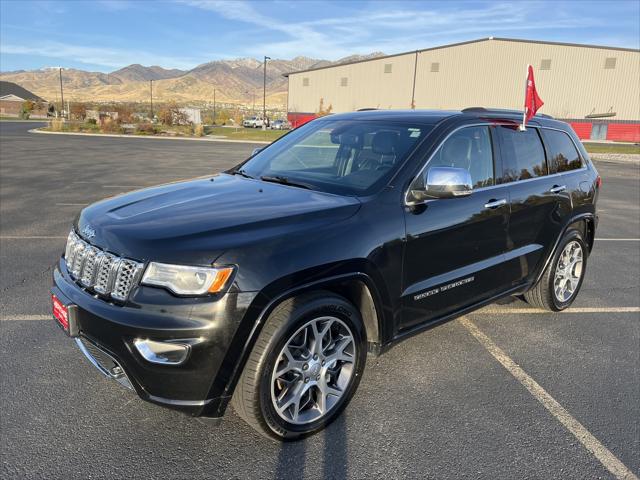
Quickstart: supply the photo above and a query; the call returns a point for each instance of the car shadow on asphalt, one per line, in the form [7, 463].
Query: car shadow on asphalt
[292, 455]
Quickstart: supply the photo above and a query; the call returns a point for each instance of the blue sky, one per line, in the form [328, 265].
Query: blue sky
[105, 35]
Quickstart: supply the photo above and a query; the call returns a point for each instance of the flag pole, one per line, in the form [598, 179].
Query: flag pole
[523, 128]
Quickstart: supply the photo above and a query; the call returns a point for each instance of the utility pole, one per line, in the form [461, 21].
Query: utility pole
[413, 89]
[151, 96]
[61, 94]
[264, 94]
[214, 106]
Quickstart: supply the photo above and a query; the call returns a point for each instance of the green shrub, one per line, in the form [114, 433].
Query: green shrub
[90, 127]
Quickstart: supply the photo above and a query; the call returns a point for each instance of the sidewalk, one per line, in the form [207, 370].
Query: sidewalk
[616, 157]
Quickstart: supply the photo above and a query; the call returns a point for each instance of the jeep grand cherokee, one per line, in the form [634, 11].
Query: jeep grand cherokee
[268, 284]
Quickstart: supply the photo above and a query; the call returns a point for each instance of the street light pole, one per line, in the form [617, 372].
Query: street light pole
[264, 94]
[214, 106]
[151, 96]
[61, 94]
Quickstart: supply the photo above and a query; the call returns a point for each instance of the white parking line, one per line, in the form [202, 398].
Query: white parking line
[484, 310]
[71, 204]
[508, 310]
[24, 318]
[124, 186]
[617, 239]
[28, 237]
[591, 443]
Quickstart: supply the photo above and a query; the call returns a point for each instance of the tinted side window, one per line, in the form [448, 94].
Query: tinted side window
[468, 148]
[563, 155]
[522, 154]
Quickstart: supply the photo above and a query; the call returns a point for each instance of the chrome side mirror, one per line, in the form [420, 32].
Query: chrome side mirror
[256, 151]
[444, 182]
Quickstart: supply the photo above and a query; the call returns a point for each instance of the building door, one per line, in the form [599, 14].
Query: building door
[599, 131]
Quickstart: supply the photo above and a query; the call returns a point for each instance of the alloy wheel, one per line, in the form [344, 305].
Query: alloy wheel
[313, 370]
[568, 272]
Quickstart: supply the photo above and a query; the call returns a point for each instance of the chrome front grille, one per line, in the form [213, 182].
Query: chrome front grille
[103, 272]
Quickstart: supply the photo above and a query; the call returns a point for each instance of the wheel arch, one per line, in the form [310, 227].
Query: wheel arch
[585, 224]
[586, 227]
[357, 288]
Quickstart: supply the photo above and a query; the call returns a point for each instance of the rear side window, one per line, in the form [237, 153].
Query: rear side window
[561, 150]
[522, 154]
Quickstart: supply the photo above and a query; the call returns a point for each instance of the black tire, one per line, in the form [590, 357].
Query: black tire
[252, 397]
[542, 295]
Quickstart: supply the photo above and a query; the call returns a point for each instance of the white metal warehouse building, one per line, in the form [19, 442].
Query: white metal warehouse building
[596, 88]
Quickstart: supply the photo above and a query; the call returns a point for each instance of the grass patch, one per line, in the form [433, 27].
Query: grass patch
[59, 125]
[628, 148]
[246, 133]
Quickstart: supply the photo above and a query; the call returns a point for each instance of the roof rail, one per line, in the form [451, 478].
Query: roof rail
[366, 109]
[499, 111]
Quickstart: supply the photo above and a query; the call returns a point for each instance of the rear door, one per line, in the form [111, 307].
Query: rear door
[454, 247]
[540, 201]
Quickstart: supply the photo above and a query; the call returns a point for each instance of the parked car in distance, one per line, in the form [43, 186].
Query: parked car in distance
[253, 122]
[266, 286]
[280, 125]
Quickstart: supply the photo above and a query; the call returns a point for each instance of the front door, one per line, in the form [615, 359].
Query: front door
[454, 247]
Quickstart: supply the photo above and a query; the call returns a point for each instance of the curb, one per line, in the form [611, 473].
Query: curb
[115, 135]
[624, 158]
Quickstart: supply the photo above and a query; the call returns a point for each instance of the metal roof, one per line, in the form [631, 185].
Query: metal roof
[500, 39]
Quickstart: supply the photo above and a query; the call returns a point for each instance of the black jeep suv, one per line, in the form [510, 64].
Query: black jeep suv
[268, 284]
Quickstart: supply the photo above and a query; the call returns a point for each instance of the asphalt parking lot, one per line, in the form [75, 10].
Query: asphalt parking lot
[454, 402]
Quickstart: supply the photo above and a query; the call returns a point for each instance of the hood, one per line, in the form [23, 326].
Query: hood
[195, 221]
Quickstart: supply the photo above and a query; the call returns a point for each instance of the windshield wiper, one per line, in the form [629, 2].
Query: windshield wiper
[241, 172]
[284, 181]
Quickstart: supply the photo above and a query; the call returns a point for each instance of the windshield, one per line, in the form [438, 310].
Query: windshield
[346, 157]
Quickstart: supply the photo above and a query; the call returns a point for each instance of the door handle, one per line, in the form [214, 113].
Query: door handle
[557, 189]
[495, 203]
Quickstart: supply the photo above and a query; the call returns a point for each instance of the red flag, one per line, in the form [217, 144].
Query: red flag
[532, 102]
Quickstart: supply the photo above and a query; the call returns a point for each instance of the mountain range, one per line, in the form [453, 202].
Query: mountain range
[234, 81]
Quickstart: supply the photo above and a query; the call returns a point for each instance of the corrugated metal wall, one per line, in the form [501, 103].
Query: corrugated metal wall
[623, 132]
[487, 73]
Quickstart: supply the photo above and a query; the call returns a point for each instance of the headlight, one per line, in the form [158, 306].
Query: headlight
[183, 280]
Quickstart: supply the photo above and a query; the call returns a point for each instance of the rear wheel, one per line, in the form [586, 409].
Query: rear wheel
[304, 368]
[561, 281]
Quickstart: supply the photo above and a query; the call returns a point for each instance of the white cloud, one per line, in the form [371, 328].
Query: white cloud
[393, 27]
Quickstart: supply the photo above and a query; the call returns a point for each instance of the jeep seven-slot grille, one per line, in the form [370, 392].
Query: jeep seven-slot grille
[103, 272]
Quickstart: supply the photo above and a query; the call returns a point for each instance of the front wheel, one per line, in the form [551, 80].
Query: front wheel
[304, 368]
[561, 281]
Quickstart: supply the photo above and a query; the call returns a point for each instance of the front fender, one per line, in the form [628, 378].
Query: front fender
[282, 289]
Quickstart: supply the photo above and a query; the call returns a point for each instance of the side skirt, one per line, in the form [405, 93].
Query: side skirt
[452, 316]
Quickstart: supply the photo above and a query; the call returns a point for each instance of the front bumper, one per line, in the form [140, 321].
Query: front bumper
[106, 332]
[105, 363]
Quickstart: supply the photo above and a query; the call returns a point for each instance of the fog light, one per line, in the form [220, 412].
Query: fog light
[164, 353]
